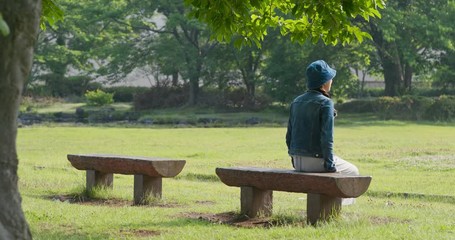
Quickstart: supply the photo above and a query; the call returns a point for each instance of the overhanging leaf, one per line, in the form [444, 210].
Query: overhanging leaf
[51, 14]
[4, 29]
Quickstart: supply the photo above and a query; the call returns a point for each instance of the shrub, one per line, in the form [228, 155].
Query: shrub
[161, 97]
[356, 106]
[415, 107]
[408, 107]
[125, 93]
[387, 107]
[443, 109]
[238, 98]
[60, 86]
[372, 92]
[98, 98]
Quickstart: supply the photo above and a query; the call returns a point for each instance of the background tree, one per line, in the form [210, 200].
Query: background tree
[445, 75]
[94, 37]
[248, 61]
[284, 71]
[409, 39]
[193, 36]
[286, 63]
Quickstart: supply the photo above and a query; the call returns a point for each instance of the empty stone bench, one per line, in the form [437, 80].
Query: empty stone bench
[148, 172]
[324, 190]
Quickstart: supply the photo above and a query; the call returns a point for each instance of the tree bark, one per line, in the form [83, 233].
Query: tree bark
[16, 53]
[408, 72]
[390, 60]
[392, 76]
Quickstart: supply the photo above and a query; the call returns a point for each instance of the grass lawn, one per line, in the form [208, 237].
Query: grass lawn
[411, 196]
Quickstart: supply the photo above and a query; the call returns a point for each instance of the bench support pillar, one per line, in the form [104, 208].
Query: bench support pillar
[254, 201]
[322, 207]
[98, 179]
[146, 186]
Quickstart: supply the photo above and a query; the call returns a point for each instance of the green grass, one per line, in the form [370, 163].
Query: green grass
[411, 195]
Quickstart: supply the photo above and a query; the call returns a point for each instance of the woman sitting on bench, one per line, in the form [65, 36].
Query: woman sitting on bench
[309, 135]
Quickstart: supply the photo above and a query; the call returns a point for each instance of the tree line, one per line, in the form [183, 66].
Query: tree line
[413, 41]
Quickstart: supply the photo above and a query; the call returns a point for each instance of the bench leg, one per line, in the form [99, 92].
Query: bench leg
[322, 207]
[146, 186]
[98, 179]
[255, 201]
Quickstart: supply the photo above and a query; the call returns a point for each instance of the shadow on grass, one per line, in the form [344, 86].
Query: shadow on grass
[102, 197]
[71, 232]
[420, 196]
[370, 120]
[199, 177]
[240, 220]
[51, 234]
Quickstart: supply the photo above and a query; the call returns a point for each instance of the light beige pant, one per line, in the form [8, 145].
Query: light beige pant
[312, 164]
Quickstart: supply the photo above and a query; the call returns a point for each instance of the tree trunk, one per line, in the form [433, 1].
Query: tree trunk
[16, 52]
[194, 91]
[390, 61]
[408, 72]
[175, 78]
[194, 81]
[392, 77]
[251, 93]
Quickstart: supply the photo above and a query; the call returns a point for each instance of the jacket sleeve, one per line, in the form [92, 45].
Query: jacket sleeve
[327, 124]
[288, 134]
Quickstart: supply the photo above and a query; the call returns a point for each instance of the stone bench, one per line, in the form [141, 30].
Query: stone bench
[324, 190]
[148, 172]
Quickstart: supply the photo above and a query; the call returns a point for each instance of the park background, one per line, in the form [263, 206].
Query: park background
[84, 96]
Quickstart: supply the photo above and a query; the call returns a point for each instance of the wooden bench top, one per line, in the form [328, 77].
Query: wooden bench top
[330, 184]
[159, 167]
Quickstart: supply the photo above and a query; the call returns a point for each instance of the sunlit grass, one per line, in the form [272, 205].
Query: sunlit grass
[411, 195]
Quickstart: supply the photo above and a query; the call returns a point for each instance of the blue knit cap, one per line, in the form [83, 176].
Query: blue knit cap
[318, 73]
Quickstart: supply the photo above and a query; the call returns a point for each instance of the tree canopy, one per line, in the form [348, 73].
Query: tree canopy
[251, 20]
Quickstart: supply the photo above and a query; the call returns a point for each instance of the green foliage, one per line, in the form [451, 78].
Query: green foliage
[98, 98]
[445, 76]
[4, 28]
[443, 109]
[51, 14]
[57, 85]
[161, 97]
[29, 104]
[417, 107]
[284, 70]
[404, 108]
[125, 93]
[169, 97]
[356, 106]
[253, 19]
[410, 39]
[119, 40]
[408, 107]
[388, 107]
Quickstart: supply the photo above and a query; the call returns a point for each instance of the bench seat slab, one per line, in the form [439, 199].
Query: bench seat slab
[156, 167]
[330, 184]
